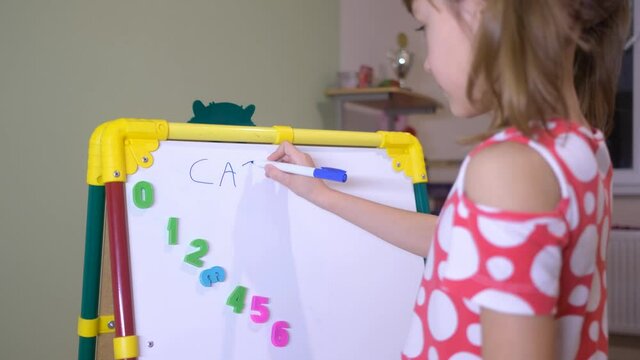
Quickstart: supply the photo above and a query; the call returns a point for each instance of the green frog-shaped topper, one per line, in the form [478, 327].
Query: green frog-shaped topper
[222, 113]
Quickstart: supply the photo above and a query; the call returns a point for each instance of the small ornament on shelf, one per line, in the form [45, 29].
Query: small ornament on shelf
[401, 59]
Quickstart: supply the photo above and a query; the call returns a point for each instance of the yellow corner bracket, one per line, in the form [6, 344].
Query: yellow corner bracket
[125, 347]
[93, 327]
[406, 154]
[118, 147]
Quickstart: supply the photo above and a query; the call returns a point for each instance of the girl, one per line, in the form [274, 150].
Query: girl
[516, 262]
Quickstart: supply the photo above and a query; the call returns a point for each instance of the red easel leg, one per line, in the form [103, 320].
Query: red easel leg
[119, 251]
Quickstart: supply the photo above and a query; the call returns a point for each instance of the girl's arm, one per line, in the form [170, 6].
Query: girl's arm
[408, 230]
[513, 177]
[506, 336]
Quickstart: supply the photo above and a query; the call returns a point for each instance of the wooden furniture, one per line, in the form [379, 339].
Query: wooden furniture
[392, 101]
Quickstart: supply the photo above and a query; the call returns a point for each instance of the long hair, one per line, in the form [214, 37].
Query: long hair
[520, 59]
[605, 26]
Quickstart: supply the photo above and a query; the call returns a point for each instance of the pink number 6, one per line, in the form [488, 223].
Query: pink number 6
[258, 303]
[279, 334]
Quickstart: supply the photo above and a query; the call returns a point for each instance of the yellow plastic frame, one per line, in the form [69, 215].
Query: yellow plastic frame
[118, 147]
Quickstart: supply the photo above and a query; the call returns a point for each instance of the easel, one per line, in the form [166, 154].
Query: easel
[117, 148]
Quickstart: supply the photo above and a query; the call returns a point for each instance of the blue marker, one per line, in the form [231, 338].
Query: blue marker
[324, 173]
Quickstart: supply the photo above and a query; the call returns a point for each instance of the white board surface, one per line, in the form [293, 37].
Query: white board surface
[345, 293]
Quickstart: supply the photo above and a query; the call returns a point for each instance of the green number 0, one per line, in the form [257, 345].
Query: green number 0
[143, 194]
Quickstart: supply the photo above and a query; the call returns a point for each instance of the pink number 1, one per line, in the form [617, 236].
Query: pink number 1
[258, 303]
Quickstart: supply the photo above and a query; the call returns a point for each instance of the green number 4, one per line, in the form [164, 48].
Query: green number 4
[236, 299]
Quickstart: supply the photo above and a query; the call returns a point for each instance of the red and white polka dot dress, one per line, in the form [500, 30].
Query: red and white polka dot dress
[522, 263]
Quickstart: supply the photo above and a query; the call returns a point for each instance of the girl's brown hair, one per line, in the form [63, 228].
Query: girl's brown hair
[519, 58]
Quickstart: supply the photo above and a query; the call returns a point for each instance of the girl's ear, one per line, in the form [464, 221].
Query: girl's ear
[471, 12]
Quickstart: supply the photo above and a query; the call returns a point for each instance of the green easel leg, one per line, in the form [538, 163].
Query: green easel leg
[92, 267]
[422, 197]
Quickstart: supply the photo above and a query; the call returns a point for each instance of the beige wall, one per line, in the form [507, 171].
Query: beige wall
[67, 66]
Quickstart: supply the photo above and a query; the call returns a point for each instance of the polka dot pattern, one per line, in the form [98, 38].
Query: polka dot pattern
[474, 334]
[465, 356]
[442, 269]
[432, 354]
[503, 301]
[594, 331]
[415, 341]
[442, 317]
[545, 271]
[568, 329]
[522, 263]
[594, 295]
[573, 214]
[500, 267]
[557, 227]
[600, 203]
[421, 296]
[488, 209]
[587, 132]
[604, 239]
[577, 156]
[428, 272]
[589, 203]
[603, 159]
[463, 212]
[471, 306]
[605, 321]
[579, 296]
[463, 260]
[444, 228]
[585, 249]
[504, 233]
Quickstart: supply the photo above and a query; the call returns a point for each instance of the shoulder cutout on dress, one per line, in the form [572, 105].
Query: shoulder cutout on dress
[511, 176]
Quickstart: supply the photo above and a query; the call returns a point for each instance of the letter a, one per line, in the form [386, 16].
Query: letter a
[233, 174]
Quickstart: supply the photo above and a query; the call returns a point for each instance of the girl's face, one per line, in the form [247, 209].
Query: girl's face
[449, 48]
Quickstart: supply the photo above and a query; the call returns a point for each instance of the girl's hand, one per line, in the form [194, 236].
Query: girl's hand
[408, 230]
[309, 188]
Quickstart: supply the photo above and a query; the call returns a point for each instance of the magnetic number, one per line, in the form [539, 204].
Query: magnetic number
[258, 303]
[143, 194]
[236, 299]
[194, 258]
[211, 276]
[279, 334]
[172, 227]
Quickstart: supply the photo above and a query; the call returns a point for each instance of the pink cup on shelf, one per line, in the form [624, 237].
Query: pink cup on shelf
[365, 76]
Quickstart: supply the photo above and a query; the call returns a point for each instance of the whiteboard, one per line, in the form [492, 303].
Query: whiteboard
[344, 293]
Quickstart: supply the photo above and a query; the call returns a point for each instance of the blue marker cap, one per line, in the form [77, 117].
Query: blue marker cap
[328, 173]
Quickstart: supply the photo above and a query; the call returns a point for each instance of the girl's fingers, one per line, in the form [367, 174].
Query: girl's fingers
[277, 154]
[288, 153]
[276, 174]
